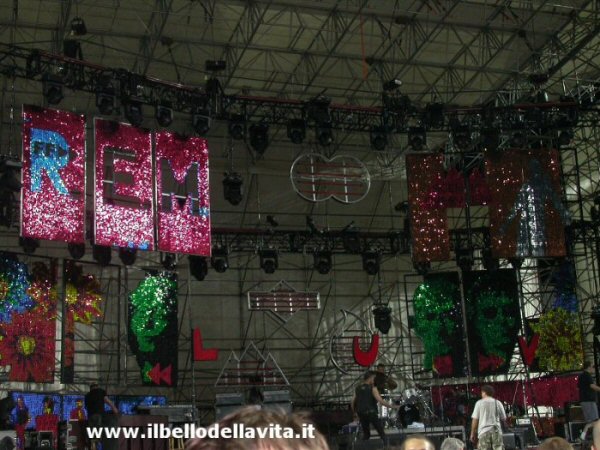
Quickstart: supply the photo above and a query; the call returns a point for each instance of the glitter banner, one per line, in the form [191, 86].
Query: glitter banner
[492, 306]
[153, 328]
[439, 323]
[527, 215]
[53, 192]
[429, 227]
[183, 219]
[124, 196]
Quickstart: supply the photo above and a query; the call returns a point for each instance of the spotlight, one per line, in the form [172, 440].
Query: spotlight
[52, 89]
[219, 259]
[379, 138]
[462, 137]
[232, 188]
[323, 262]
[564, 138]
[464, 259]
[168, 260]
[198, 267]
[383, 318]
[105, 102]
[29, 245]
[296, 130]
[324, 134]
[417, 138]
[133, 112]
[422, 267]
[101, 254]
[76, 250]
[269, 260]
[164, 115]
[201, 121]
[127, 255]
[370, 262]
[259, 137]
[78, 26]
[237, 127]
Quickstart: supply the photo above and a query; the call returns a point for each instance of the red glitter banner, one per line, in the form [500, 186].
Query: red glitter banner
[429, 227]
[124, 197]
[527, 215]
[53, 193]
[183, 221]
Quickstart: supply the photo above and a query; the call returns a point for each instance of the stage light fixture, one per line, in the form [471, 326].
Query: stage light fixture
[76, 250]
[198, 267]
[237, 127]
[105, 102]
[351, 240]
[201, 121]
[461, 137]
[564, 138]
[269, 260]
[318, 110]
[29, 245]
[379, 138]
[383, 318]
[168, 260]
[101, 254]
[259, 137]
[232, 188]
[296, 130]
[52, 88]
[78, 26]
[417, 138]
[324, 134]
[127, 255]
[322, 261]
[371, 261]
[133, 112]
[220, 259]
[164, 114]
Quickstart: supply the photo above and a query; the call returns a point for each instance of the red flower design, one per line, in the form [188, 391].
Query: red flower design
[28, 346]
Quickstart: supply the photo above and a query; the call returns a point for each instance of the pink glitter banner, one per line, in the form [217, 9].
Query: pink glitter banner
[53, 193]
[124, 214]
[183, 220]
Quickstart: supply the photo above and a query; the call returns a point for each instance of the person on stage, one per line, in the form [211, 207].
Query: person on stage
[588, 396]
[487, 418]
[78, 413]
[22, 419]
[364, 406]
[94, 405]
[384, 382]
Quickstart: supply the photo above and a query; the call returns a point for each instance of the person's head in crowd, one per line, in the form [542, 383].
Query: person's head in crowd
[588, 366]
[252, 418]
[555, 443]
[381, 368]
[369, 377]
[596, 436]
[451, 443]
[487, 391]
[417, 442]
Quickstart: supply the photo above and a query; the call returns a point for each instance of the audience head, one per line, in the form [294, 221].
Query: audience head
[451, 443]
[487, 391]
[417, 442]
[250, 417]
[555, 443]
[381, 368]
[369, 376]
[588, 365]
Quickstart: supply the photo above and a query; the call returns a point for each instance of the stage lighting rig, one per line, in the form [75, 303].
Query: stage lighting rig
[371, 261]
[164, 114]
[323, 261]
[379, 138]
[220, 259]
[417, 138]
[78, 27]
[232, 188]
[133, 111]
[259, 137]
[351, 239]
[52, 88]
[383, 317]
[77, 251]
[127, 255]
[296, 130]
[269, 260]
[237, 127]
[324, 134]
[198, 267]
[201, 121]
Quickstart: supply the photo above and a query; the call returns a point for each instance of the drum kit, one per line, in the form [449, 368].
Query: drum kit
[413, 406]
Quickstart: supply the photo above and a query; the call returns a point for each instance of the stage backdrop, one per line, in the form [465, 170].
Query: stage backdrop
[183, 217]
[153, 328]
[439, 323]
[53, 175]
[492, 306]
[124, 215]
[527, 215]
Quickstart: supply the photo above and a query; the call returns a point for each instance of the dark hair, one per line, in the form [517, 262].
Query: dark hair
[368, 374]
[488, 390]
[587, 364]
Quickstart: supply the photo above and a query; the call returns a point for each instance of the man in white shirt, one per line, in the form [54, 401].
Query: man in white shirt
[486, 426]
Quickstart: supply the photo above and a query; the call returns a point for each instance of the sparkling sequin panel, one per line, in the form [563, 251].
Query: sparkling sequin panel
[123, 180]
[429, 227]
[527, 214]
[53, 175]
[183, 194]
